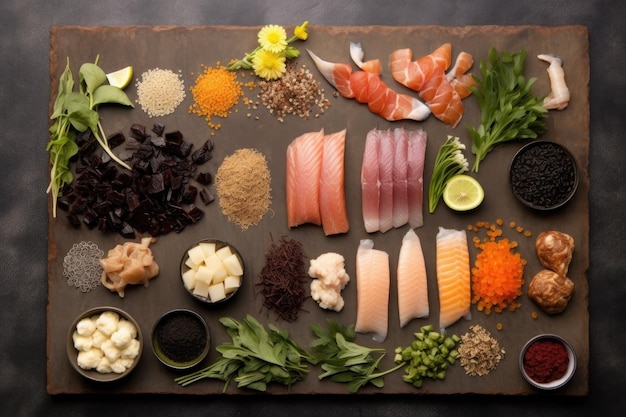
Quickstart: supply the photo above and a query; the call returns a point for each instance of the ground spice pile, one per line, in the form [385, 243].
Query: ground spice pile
[297, 93]
[480, 352]
[283, 279]
[498, 272]
[160, 91]
[215, 92]
[243, 187]
[546, 360]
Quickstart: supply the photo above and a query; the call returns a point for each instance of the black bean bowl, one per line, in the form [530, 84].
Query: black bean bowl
[543, 175]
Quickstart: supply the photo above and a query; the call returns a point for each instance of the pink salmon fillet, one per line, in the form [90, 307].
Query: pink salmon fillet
[453, 276]
[372, 283]
[385, 175]
[400, 167]
[332, 198]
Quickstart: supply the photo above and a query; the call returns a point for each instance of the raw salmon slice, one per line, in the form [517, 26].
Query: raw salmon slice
[303, 171]
[412, 282]
[453, 276]
[332, 198]
[372, 286]
[370, 183]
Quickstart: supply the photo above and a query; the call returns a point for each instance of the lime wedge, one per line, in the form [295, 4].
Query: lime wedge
[121, 78]
[463, 193]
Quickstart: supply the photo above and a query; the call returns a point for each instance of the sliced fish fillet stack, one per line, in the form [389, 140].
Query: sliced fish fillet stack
[315, 190]
[392, 179]
[453, 276]
[372, 283]
[412, 280]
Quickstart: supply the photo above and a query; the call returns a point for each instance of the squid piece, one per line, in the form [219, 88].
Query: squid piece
[558, 99]
[128, 264]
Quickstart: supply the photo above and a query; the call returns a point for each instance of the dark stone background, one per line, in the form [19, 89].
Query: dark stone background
[24, 96]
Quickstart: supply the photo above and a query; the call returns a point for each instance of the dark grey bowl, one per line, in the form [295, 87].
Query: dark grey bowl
[93, 374]
[543, 175]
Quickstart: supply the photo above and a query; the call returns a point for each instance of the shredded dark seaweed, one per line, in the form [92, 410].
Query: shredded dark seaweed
[283, 279]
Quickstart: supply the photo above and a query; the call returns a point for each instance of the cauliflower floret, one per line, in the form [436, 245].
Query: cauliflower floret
[132, 350]
[329, 269]
[110, 351]
[125, 324]
[104, 366]
[82, 343]
[89, 359]
[107, 322]
[121, 338]
[121, 365]
[86, 327]
[98, 338]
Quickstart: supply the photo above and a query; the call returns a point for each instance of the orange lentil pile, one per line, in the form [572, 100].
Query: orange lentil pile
[498, 272]
[215, 92]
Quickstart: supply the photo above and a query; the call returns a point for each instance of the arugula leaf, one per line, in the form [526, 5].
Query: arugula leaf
[509, 109]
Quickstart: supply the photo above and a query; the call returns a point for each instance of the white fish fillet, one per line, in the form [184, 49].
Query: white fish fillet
[412, 280]
[415, 176]
[372, 286]
[370, 182]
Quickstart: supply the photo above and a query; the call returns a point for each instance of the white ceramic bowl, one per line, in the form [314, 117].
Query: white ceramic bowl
[569, 372]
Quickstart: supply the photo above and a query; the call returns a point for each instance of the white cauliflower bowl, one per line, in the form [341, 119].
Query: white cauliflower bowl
[104, 344]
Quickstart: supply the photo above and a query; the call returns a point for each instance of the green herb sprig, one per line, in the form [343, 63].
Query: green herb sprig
[509, 109]
[345, 361]
[449, 162]
[255, 357]
[76, 112]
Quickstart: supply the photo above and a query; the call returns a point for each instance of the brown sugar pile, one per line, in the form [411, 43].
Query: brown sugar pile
[243, 187]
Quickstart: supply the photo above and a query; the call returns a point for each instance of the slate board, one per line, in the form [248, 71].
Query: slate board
[187, 49]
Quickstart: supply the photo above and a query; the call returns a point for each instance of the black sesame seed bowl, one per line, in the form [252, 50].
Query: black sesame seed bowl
[181, 339]
[208, 280]
[543, 175]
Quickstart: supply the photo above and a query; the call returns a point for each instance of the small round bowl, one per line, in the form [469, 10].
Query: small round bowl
[181, 339]
[193, 274]
[569, 372]
[543, 175]
[93, 374]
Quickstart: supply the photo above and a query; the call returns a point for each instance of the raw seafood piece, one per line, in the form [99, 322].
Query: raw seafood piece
[427, 76]
[412, 282]
[303, 171]
[458, 77]
[370, 183]
[559, 96]
[130, 263]
[453, 276]
[400, 168]
[385, 175]
[555, 250]
[372, 286]
[368, 88]
[416, 155]
[357, 54]
[333, 211]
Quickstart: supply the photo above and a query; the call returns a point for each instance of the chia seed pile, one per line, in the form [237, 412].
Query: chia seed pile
[543, 175]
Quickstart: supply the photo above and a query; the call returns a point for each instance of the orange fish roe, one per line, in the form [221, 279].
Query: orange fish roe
[534, 315]
[497, 276]
[215, 93]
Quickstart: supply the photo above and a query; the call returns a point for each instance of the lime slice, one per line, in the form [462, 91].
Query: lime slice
[463, 193]
[121, 78]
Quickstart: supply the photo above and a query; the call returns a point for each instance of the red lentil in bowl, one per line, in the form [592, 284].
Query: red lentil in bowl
[543, 175]
[547, 361]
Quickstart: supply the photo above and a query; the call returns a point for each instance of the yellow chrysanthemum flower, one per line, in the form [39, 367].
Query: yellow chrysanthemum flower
[273, 38]
[268, 65]
[300, 32]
